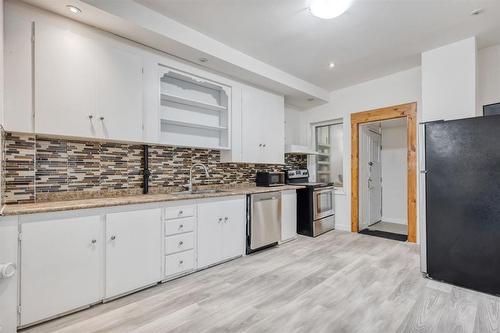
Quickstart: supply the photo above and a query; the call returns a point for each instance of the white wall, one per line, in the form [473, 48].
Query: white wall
[292, 125]
[449, 81]
[399, 88]
[488, 76]
[394, 175]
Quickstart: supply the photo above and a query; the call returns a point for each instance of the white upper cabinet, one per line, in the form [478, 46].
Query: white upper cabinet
[85, 87]
[65, 82]
[120, 93]
[262, 124]
[18, 112]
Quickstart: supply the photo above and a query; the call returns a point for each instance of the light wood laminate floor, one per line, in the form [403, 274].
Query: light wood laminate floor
[338, 282]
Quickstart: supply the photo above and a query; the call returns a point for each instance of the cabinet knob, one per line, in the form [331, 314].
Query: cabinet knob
[180, 243]
[225, 219]
[181, 212]
[260, 144]
[264, 145]
[101, 118]
[181, 262]
[7, 270]
[113, 237]
[220, 219]
[93, 241]
[181, 226]
[91, 116]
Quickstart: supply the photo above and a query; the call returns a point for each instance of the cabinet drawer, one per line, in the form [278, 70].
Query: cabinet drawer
[181, 211]
[178, 226]
[179, 262]
[179, 243]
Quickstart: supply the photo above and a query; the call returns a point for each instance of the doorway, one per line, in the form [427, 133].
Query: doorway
[382, 179]
[367, 169]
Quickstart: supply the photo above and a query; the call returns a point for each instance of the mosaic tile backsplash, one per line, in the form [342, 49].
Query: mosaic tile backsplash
[38, 169]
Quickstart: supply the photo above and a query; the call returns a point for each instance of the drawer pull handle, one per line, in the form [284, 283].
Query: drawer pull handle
[181, 243]
[181, 262]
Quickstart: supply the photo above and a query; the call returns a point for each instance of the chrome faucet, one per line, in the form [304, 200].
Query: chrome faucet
[189, 185]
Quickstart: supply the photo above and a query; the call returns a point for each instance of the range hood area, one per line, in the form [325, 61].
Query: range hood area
[299, 150]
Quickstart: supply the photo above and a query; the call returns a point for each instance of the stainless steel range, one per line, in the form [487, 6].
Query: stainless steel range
[315, 204]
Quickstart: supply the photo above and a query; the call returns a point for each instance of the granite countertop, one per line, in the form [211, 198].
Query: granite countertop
[56, 206]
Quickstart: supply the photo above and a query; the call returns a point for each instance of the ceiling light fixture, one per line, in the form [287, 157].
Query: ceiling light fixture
[328, 9]
[331, 65]
[73, 9]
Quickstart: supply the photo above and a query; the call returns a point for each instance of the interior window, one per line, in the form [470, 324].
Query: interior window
[329, 161]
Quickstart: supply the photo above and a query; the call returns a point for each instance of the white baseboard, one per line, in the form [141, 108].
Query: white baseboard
[393, 220]
[343, 227]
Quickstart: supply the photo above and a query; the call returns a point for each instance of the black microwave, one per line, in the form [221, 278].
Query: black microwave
[265, 178]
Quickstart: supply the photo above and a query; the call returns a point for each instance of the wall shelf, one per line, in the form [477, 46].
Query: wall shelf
[193, 125]
[165, 98]
[193, 111]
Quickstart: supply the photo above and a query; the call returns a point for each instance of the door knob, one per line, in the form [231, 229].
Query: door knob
[7, 270]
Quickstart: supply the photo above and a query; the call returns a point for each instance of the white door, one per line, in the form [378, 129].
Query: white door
[374, 181]
[65, 82]
[210, 219]
[133, 250]
[119, 113]
[233, 227]
[288, 215]
[61, 262]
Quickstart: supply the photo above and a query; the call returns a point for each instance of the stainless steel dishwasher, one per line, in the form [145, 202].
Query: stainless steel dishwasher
[263, 220]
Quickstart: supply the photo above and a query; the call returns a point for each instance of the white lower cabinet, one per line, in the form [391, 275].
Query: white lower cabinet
[61, 265]
[221, 230]
[288, 215]
[133, 250]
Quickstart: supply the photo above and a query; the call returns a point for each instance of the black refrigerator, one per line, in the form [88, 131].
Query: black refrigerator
[462, 180]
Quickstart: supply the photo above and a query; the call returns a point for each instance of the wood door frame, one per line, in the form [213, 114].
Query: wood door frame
[408, 111]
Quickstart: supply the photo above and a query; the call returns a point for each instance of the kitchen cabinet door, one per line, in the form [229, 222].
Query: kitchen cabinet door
[209, 247]
[288, 215]
[133, 250]
[61, 266]
[119, 113]
[253, 124]
[233, 227]
[18, 115]
[262, 126]
[65, 82]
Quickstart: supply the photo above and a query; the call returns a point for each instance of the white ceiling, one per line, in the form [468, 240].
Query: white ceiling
[374, 38]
